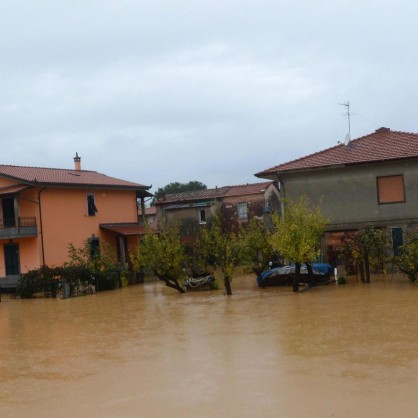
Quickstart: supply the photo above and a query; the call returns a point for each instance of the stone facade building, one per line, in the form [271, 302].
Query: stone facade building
[237, 203]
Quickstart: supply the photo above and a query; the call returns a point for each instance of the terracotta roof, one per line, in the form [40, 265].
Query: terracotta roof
[219, 192]
[382, 145]
[63, 177]
[206, 194]
[245, 189]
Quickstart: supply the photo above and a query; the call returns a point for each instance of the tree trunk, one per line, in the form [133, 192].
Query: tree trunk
[296, 278]
[311, 278]
[227, 284]
[173, 283]
[360, 267]
[258, 272]
[367, 268]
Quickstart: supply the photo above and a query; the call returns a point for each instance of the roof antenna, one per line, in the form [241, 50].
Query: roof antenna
[348, 136]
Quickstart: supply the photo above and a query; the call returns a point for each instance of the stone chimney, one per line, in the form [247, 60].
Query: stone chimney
[77, 164]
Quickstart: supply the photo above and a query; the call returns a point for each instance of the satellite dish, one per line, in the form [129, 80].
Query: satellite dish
[347, 139]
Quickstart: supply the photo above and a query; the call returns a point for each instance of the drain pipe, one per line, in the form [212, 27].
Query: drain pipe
[41, 225]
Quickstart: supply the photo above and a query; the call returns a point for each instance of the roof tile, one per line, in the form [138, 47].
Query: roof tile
[382, 145]
[63, 177]
[207, 194]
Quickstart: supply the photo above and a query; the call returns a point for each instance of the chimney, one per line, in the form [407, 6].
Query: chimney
[382, 129]
[77, 159]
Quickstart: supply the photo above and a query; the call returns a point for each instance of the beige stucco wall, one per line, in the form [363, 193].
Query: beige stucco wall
[348, 195]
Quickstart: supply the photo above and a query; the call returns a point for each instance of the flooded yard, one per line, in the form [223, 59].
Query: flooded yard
[147, 351]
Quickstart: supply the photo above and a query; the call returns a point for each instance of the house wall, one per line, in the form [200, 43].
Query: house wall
[6, 182]
[184, 215]
[348, 195]
[65, 218]
[255, 208]
[29, 254]
[272, 197]
[29, 248]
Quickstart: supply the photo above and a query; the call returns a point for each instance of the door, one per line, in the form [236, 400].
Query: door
[8, 209]
[11, 259]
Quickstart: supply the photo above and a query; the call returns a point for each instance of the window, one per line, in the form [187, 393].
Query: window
[390, 189]
[397, 240]
[242, 210]
[202, 216]
[91, 205]
[8, 209]
[94, 247]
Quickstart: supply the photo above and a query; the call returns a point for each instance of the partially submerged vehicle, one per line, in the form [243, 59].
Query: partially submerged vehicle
[206, 282]
[283, 275]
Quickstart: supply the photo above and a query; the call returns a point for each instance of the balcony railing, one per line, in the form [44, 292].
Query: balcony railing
[27, 221]
[26, 227]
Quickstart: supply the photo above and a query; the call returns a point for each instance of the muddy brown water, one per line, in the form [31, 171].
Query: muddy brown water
[147, 351]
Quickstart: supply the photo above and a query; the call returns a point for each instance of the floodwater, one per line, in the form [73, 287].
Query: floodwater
[148, 351]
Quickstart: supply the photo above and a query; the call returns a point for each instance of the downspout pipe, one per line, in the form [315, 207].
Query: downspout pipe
[41, 225]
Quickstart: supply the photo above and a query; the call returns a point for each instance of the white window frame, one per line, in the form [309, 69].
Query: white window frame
[242, 210]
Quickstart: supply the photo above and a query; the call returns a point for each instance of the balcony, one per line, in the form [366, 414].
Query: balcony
[26, 227]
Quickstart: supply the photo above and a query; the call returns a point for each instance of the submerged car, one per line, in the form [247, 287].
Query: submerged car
[283, 275]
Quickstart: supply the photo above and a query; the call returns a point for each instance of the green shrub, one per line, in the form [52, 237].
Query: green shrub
[341, 280]
[49, 281]
[106, 280]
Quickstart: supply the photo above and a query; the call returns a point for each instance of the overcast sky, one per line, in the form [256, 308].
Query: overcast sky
[169, 90]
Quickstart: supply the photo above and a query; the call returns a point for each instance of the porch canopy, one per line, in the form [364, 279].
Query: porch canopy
[125, 229]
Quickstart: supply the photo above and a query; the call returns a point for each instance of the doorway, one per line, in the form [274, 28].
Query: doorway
[12, 259]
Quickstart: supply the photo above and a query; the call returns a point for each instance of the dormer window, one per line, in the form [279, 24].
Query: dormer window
[91, 205]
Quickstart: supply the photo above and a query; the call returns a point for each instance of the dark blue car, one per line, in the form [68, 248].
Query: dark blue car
[283, 275]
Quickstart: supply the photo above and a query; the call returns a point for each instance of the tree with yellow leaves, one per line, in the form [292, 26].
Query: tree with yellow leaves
[297, 234]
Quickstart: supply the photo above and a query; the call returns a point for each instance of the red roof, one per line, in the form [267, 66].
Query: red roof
[63, 177]
[382, 145]
[219, 192]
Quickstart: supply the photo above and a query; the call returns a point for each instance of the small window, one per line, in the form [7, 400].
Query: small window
[390, 189]
[202, 216]
[94, 247]
[242, 210]
[91, 205]
[397, 240]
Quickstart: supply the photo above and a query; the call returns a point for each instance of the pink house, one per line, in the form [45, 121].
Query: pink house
[43, 210]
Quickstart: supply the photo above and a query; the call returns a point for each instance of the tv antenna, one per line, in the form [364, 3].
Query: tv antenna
[348, 114]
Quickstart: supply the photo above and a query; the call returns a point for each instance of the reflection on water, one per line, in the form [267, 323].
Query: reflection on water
[147, 351]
